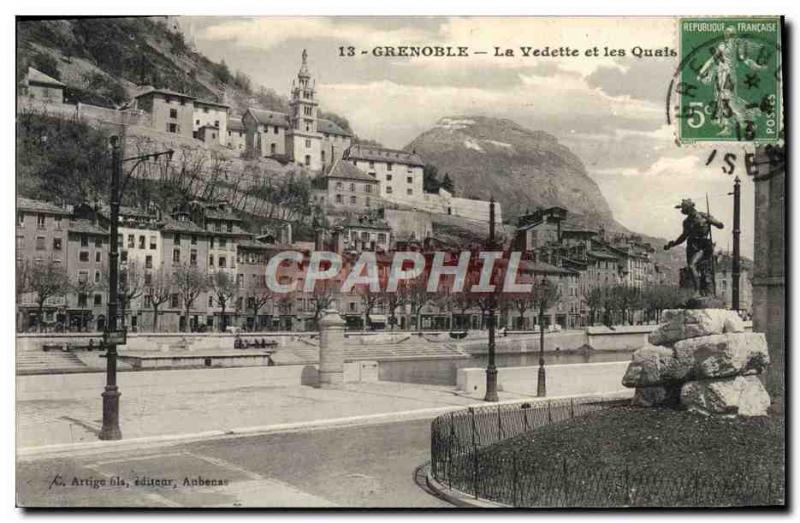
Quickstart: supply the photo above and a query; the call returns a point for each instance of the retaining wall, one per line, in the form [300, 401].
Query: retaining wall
[562, 380]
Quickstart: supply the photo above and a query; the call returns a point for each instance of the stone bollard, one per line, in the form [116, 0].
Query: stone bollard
[331, 350]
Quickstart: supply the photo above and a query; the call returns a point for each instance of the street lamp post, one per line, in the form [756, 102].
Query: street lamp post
[541, 387]
[735, 265]
[491, 368]
[112, 337]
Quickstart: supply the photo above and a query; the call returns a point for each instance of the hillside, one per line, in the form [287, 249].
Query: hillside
[103, 61]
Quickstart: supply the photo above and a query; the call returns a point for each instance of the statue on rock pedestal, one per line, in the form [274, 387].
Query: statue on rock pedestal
[699, 271]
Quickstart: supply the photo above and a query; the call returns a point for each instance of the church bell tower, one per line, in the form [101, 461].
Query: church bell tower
[305, 141]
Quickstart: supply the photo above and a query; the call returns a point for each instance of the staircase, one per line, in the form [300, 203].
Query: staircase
[50, 362]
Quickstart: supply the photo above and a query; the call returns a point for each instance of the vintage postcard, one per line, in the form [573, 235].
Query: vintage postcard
[400, 262]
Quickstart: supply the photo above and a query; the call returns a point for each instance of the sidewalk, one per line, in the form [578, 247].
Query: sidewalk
[74, 413]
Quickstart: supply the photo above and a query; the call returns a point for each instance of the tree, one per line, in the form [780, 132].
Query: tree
[158, 289]
[417, 296]
[447, 184]
[321, 297]
[189, 282]
[369, 300]
[256, 299]
[595, 301]
[545, 293]
[523, 304]
[131, 286]
[223, 287]
[48, 280]
[430, 178]
[394, 300]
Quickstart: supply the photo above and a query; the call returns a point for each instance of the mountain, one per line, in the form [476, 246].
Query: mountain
[523, 169]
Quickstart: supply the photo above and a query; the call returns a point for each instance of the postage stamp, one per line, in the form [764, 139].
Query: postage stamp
[728, 85]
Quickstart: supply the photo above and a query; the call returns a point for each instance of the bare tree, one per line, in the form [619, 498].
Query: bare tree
[225, 290]
[131, 286]
[418, 296]
[48, 280]
[258, 298]
[158, 289]
[189, 282]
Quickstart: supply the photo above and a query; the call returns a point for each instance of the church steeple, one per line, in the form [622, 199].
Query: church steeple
[303, 114]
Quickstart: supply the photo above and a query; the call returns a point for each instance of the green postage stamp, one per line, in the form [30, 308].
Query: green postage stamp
[729, 84]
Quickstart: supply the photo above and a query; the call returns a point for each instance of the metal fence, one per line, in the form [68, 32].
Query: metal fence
[462, 460]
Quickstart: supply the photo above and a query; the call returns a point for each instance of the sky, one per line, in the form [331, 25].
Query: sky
[610, 111]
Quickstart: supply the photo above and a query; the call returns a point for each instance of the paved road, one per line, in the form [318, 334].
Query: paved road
[370, 466]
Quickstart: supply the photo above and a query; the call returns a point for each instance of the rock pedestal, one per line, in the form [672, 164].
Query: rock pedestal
[704, 361]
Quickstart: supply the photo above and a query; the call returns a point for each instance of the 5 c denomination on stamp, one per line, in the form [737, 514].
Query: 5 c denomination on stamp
[728, 85]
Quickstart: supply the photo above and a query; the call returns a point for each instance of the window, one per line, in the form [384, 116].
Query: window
[123, 256]
[131, 241]
[211, 260]
[148, 300]
[173, 113]
[152, 243]
[366, 201]
[308, 144]
[98, 299]
[194, 239]
[21, 219]
[338, 198]
[142, 241]
[388, 190]
[177, 239]
[381, 237]
[368, 188]
[409, 179]
[371, 165]
[148, 262]
[172, 128]
[223, 262]
[83, 276]
[216, 123]
[193, 257]
[197, 122]
[353, 200]
[338, 185]
[388, 177]
[223, 243]
[173, 301]
[84, 240]
[308, 160]
[272, 148]
[210, 300]
[239, 280]
[98, 256]
[58, 222]
[98, 242]
[389, 166]
[352, 187]
[40, 243]
[275, 129]
[217, 227]
[176, 256]
[409, 191]
[83, 256]
[41, 220]
[81, 300]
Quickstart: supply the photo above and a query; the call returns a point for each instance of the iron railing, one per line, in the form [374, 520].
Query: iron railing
[462, 460]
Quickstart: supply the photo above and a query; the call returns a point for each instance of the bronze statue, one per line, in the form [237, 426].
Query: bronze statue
[699, 248]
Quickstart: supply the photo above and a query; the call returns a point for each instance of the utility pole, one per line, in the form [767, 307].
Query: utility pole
[735, 264]
[111, 394]
[491, 369]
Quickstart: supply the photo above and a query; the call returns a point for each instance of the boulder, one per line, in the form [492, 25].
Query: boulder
[656, 396]
[652, 365]
[681, 324]
[723, 355]
[742, 395]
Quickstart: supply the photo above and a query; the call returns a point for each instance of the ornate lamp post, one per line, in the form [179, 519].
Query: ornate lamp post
[112, 336]
[541, 387]
[491, 369]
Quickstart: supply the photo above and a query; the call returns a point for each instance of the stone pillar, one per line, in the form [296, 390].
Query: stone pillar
[331, 349]
[769, 301]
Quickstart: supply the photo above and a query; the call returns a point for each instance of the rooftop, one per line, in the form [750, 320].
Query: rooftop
[380, 154]
[346, 170]
[329, 127]
[85, 227]
[265, 117]
[27, 204]
[153, 90]
[209, 102]
[37, 77]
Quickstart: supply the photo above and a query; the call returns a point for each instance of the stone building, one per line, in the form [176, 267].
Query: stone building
[345, 186]
[210, 115]
[236, 134]
[724, 281]
[40, 86]
[265, 133]
[399, 173]
[169, 111]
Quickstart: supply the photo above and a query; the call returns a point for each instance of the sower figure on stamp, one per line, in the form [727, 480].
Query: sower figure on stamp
[699, 247]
